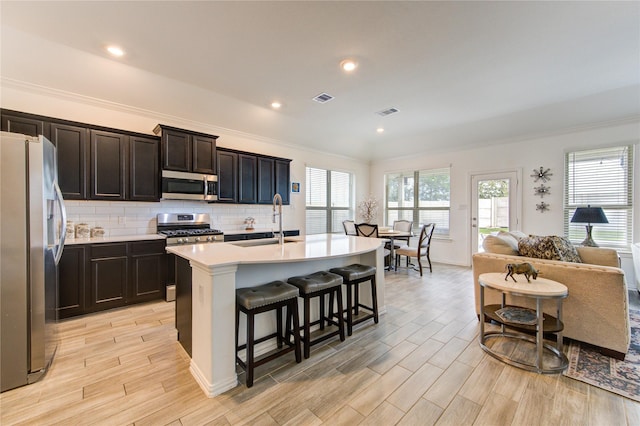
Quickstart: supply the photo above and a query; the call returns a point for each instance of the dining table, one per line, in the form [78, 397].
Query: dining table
[391, 235]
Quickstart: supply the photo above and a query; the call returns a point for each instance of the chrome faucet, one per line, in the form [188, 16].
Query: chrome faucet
[277, 200]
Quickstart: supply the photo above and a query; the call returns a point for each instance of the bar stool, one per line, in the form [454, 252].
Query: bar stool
[352, 276]
[320, 284]
[263, 298]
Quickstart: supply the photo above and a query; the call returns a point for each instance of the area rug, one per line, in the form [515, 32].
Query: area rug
[621, 377]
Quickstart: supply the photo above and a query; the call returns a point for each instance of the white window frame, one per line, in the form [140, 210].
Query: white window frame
[580, 191]
[439, 232]
[329, 208]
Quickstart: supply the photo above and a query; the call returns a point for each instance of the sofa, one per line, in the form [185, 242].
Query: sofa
[596, 311]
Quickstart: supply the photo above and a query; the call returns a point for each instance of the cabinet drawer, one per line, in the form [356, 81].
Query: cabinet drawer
[139, 248]
[108, 250]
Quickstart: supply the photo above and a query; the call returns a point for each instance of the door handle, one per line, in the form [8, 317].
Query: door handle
[63, 211]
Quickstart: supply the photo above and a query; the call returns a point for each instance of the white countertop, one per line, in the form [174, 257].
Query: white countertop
[115, 239]
[296, 249]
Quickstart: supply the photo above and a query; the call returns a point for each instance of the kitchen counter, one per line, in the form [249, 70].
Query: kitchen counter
[114, 239]
[295, 249]
[217, 270]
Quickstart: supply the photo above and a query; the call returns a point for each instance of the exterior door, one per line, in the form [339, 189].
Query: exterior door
[495, 205]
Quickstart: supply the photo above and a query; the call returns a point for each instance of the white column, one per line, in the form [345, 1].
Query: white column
[213, 328]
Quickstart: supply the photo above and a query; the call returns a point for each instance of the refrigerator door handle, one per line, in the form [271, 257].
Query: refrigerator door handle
[63, 211]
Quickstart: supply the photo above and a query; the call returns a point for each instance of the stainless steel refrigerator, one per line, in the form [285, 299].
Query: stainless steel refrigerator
[32, 231]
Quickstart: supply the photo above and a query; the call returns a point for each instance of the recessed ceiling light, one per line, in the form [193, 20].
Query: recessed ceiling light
[276, 105]
[115, 51]
[348, 65]
[380, 130]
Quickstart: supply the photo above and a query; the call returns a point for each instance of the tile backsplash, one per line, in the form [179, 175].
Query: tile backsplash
[136, 218]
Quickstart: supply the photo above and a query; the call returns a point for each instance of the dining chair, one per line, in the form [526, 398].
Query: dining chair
[402, 226]
[371, 231]
[367, 230]
[349, 227]
[422, 250]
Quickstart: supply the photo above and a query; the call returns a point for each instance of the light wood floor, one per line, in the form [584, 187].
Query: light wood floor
[420, 365]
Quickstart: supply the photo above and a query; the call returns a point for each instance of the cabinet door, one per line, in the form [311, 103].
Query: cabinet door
[71, 282]
[144, 167]
[108, 279]
[16, 123]
[148, 266]
[72, 149]
[265, 180]
[282, 180]
[108, 165]
[247, 179]
[204, 154]
[183, 303]
[176, 150]
[227, 177]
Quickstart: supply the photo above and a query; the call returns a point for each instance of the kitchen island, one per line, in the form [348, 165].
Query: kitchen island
[217, 270]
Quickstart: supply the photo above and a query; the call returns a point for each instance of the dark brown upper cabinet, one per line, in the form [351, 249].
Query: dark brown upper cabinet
[204, 154]
[25, 124]
[96, 162]
[186, 151]
[247, 179]
[265, 180]
[108, 169]
[227, 176]
[282, 169]
[144, 169]
[72, 151]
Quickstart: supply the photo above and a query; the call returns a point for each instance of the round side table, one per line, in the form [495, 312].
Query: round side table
[540, 290]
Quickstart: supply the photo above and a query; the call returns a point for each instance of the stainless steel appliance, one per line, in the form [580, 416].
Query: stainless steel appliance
[188, 228]
[32, 232]
[189, 186]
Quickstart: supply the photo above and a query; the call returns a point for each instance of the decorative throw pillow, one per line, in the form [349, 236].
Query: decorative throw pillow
[515, 234]
[509, 239]
[500, 245]
[548, 247]
[567, 251]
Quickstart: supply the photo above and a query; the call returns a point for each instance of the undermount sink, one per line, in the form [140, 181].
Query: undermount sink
[257, 242]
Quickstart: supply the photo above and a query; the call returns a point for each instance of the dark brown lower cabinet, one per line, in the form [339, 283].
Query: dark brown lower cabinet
[148, 264]
[71, 282]
[95, 277]
[108, 276]
[183, 302]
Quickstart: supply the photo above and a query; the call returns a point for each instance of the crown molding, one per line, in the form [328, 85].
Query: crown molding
[159, 116]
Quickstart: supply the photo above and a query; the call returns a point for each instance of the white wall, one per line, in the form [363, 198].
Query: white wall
[526, 156]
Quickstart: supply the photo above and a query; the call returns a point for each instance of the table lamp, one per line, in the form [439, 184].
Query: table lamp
[589, 215]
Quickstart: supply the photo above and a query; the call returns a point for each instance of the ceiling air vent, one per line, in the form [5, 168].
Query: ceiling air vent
[323, 98]
[387, 111]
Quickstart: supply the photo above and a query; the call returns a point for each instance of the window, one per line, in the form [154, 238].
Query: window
[421, 196]
[600, 178]
[329, 200]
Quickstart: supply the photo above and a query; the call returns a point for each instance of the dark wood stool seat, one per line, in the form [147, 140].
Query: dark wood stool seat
[318, 285]
[352, 276]
[267, 297]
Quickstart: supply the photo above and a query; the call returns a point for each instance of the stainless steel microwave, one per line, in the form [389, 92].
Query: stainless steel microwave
[189, 186]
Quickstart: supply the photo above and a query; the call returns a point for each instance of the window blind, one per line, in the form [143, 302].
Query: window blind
[601, 178]
[328, 200]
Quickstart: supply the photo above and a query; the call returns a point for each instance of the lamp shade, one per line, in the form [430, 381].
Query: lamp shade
[589, 215]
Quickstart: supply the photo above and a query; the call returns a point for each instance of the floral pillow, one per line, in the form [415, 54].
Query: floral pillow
[548, 247]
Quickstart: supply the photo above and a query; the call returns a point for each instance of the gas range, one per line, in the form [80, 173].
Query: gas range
[188, 228]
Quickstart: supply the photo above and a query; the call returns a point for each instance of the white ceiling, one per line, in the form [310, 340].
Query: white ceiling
[461, 73]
